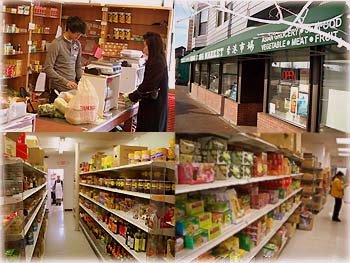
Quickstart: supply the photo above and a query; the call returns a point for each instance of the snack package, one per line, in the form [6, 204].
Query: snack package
[195, 173]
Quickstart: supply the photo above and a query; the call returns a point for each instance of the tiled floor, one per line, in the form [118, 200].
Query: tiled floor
[327, 242]
[62, 241]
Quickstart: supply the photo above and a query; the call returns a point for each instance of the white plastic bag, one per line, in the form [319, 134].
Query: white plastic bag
[82, 108]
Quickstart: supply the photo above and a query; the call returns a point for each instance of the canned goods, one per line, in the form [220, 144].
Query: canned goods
[147, 186]
[161, 187]
[146, 155]
[130, 158]
[137, 156]
[115, 17]
[140, 186]
[128, 18]
[128, 185]
[122, 18]
[168, 188]
[154, 187]
[134, 185]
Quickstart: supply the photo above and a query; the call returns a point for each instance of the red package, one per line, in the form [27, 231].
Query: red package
[21, 151]
[196, 173]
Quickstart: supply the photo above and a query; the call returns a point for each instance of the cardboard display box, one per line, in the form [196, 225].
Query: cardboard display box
[9, 147]
[282, 140]
[36, 156]
[120, 156]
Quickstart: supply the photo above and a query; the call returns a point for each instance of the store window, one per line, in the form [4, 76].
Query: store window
[204, 75]
[196, 73]
[214, 77]
[289, 86]
[203, 22]
[228, 5]
[230, 80]
[335, 93]
[219, 18]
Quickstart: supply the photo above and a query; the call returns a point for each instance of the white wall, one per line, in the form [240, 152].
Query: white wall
[66, 162]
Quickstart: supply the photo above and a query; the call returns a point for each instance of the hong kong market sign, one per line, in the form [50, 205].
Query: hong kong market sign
[329, 18]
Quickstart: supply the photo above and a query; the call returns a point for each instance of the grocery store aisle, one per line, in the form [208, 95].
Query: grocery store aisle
[62, 241]
[327, 242]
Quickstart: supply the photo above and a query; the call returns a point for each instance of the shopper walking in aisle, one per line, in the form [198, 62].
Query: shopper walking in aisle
[337, 191]
[58, 188]
[63, 60]
[152, 93]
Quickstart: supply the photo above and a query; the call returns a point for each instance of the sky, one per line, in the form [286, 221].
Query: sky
[182, 10]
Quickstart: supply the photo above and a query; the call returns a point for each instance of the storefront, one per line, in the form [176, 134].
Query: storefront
[285, 80]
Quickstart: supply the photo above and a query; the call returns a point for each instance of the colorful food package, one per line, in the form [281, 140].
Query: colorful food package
[189, 147]
[187, 226]
[212, 231]
[197, 239]
[194, 207]
[195, 173]
[260, 165]
[205, 219]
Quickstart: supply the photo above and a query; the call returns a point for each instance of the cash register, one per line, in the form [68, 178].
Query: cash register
[105, 78]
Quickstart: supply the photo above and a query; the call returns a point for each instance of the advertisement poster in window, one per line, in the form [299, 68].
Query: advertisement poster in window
[294, 99]
[303, 104]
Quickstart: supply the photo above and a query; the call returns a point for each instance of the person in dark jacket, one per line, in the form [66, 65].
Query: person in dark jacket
[152, 93]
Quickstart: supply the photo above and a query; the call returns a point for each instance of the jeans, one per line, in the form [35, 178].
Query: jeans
[337, 206]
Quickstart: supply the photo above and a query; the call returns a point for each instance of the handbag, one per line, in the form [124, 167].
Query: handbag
[153, 94]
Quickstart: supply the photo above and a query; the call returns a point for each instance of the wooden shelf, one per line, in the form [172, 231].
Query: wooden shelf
[19, 54]
[34, 33]
[15, 14]
[15, 77]
[19, 33]
[127, 40]
[137, 24]
[43, 16]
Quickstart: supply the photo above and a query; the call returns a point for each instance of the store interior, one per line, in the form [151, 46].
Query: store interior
[112, 60]
[166, 197]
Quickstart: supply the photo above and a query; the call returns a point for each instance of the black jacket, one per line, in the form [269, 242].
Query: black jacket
[152, 114]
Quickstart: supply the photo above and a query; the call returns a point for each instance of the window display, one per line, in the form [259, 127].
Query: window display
[335, 88]
[289, 86]
[230, 80]
[214, 77]
[196, 73]
[204, 75]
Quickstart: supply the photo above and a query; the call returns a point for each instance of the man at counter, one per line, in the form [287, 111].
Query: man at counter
[63, 60]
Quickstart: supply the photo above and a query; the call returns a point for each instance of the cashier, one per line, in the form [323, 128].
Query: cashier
[152, 93]
[63, 61]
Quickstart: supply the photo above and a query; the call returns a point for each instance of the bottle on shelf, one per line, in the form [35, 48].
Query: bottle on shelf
[137, 239]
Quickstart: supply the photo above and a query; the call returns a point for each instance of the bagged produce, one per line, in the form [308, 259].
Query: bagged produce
[67, 95]
[46, 110]
[61, 105]
[82, 108]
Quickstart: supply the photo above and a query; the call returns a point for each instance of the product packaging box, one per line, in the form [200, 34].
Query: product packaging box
[195, 173]
[9, 147]
[212, 231]
[36, 156]
[194, 207]
[193, 241]
[187, 226]
[281, 140]
[121, 153]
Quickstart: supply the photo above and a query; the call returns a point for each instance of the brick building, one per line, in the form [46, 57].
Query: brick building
[268, 76]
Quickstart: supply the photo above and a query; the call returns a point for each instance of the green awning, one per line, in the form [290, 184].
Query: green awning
[329, 17]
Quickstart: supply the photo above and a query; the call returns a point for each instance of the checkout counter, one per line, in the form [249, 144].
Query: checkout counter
[110, 80]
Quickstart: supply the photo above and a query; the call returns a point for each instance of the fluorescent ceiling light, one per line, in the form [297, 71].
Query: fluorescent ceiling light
[346, 150]
[343, 140]
[61, 145]
[344, 154]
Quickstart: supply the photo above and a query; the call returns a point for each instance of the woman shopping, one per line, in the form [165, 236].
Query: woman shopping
[337, 191]
[152, 93]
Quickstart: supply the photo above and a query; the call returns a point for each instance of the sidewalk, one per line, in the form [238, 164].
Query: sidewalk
[192, 116]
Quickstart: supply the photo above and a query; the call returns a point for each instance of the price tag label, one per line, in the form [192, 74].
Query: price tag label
[31, 26]
[104, 9]
[29, 42]
[103, 23]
